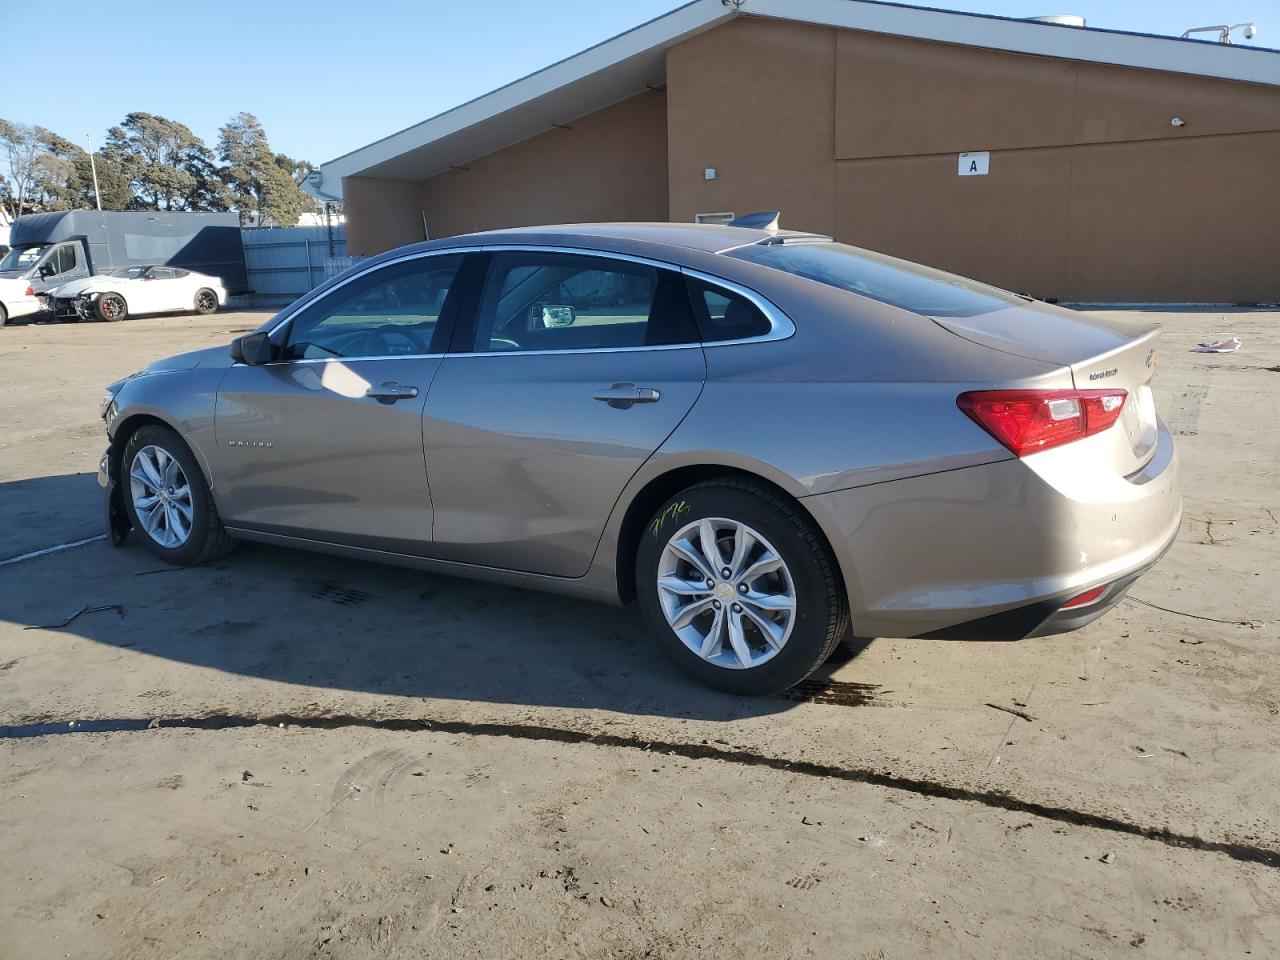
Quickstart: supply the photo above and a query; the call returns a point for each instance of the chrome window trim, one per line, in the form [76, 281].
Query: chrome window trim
[402, 356]
[567, 350]
[781, 326]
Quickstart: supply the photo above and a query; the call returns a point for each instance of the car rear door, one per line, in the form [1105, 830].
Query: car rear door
[569, 374]
[326, 442]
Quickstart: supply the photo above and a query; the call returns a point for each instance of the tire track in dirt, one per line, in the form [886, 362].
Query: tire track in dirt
[1266, 855]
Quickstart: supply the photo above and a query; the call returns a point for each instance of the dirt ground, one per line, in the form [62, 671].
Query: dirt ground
[357, 761]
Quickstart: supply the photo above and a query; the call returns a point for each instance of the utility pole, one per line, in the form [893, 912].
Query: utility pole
[94, 167]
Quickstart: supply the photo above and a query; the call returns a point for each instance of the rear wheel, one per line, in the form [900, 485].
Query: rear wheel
[739, 587]
[111, 307]
[168, 500]
[206, 301]
[4, 315]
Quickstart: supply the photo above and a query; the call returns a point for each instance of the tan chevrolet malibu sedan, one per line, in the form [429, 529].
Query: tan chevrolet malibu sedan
[767, 439]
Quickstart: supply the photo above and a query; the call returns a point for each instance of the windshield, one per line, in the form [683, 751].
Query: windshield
[20, 258]
[131, 273]
[910, 286]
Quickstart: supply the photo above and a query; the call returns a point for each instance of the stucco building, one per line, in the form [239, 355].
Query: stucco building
[1100, 166]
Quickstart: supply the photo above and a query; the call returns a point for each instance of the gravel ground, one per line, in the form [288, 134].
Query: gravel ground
[359, 761]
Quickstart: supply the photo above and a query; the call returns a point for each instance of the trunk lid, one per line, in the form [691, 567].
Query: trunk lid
[1102, 353]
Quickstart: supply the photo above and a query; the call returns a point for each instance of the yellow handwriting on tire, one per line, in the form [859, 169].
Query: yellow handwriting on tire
[672, 512]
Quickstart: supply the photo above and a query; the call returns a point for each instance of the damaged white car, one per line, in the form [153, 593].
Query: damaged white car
[128, 291]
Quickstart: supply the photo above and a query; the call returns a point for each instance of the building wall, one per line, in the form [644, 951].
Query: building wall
[381, 214]
[611, 165]
[1092, 194]
[608, 165]
[755, 100]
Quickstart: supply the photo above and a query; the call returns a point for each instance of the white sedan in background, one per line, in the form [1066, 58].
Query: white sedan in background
[125, 291]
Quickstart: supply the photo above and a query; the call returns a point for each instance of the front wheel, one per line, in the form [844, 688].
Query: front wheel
[168, 500]
[739, 587]
[111, 307]
[206, 301]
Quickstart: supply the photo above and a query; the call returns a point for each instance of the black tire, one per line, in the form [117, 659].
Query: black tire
[111, 308]
[208, 539]
[822, 610]
[4, 315]
[206, 301]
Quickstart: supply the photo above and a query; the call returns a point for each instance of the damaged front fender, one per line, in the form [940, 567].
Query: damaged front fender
[115, 518]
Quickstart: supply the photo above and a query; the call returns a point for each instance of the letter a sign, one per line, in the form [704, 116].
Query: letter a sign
[975, 164]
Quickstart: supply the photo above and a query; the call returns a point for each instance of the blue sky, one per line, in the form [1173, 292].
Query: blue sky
[327, 76]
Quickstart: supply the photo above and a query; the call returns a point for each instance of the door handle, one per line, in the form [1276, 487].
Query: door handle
[620, 396]
[391, 392]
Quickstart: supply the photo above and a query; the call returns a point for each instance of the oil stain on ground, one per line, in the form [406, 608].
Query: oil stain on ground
[835, 693]
[343, 596]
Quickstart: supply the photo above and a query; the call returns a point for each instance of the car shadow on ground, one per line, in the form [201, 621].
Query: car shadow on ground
[42, 511]
[301, 618]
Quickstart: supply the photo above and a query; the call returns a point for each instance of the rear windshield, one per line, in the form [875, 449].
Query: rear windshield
[910, 286]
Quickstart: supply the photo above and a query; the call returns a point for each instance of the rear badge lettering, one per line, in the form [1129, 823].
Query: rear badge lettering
[250, 443]
[1103, 374]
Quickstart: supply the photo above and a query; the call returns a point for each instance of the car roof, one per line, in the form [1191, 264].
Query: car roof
[707, 237]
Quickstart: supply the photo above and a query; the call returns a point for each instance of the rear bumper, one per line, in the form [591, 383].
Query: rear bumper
[994, 551]
[1046, 617]
[22, 307]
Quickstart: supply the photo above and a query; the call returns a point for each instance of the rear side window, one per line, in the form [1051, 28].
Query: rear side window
[725, 315]
[535, 301]
[910, 286]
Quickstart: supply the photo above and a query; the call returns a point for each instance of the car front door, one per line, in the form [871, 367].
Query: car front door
[571, 372]
[325, 442]
[62, 263]
[151, 292]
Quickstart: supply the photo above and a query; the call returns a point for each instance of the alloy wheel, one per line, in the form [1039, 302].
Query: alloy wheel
[726, 593]
[161, 496]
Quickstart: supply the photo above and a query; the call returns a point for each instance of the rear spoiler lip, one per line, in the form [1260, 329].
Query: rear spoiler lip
[1134, 335]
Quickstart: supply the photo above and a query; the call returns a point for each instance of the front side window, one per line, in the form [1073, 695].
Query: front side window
[60, 260]
[391, 311]
[558, 301]
[932, 293]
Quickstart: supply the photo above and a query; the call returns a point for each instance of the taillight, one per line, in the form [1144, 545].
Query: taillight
[31, 291]
[1028, 421]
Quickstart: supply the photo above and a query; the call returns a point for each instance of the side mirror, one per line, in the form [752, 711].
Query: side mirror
[46, 271]
[555, 315]
[254, 349]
